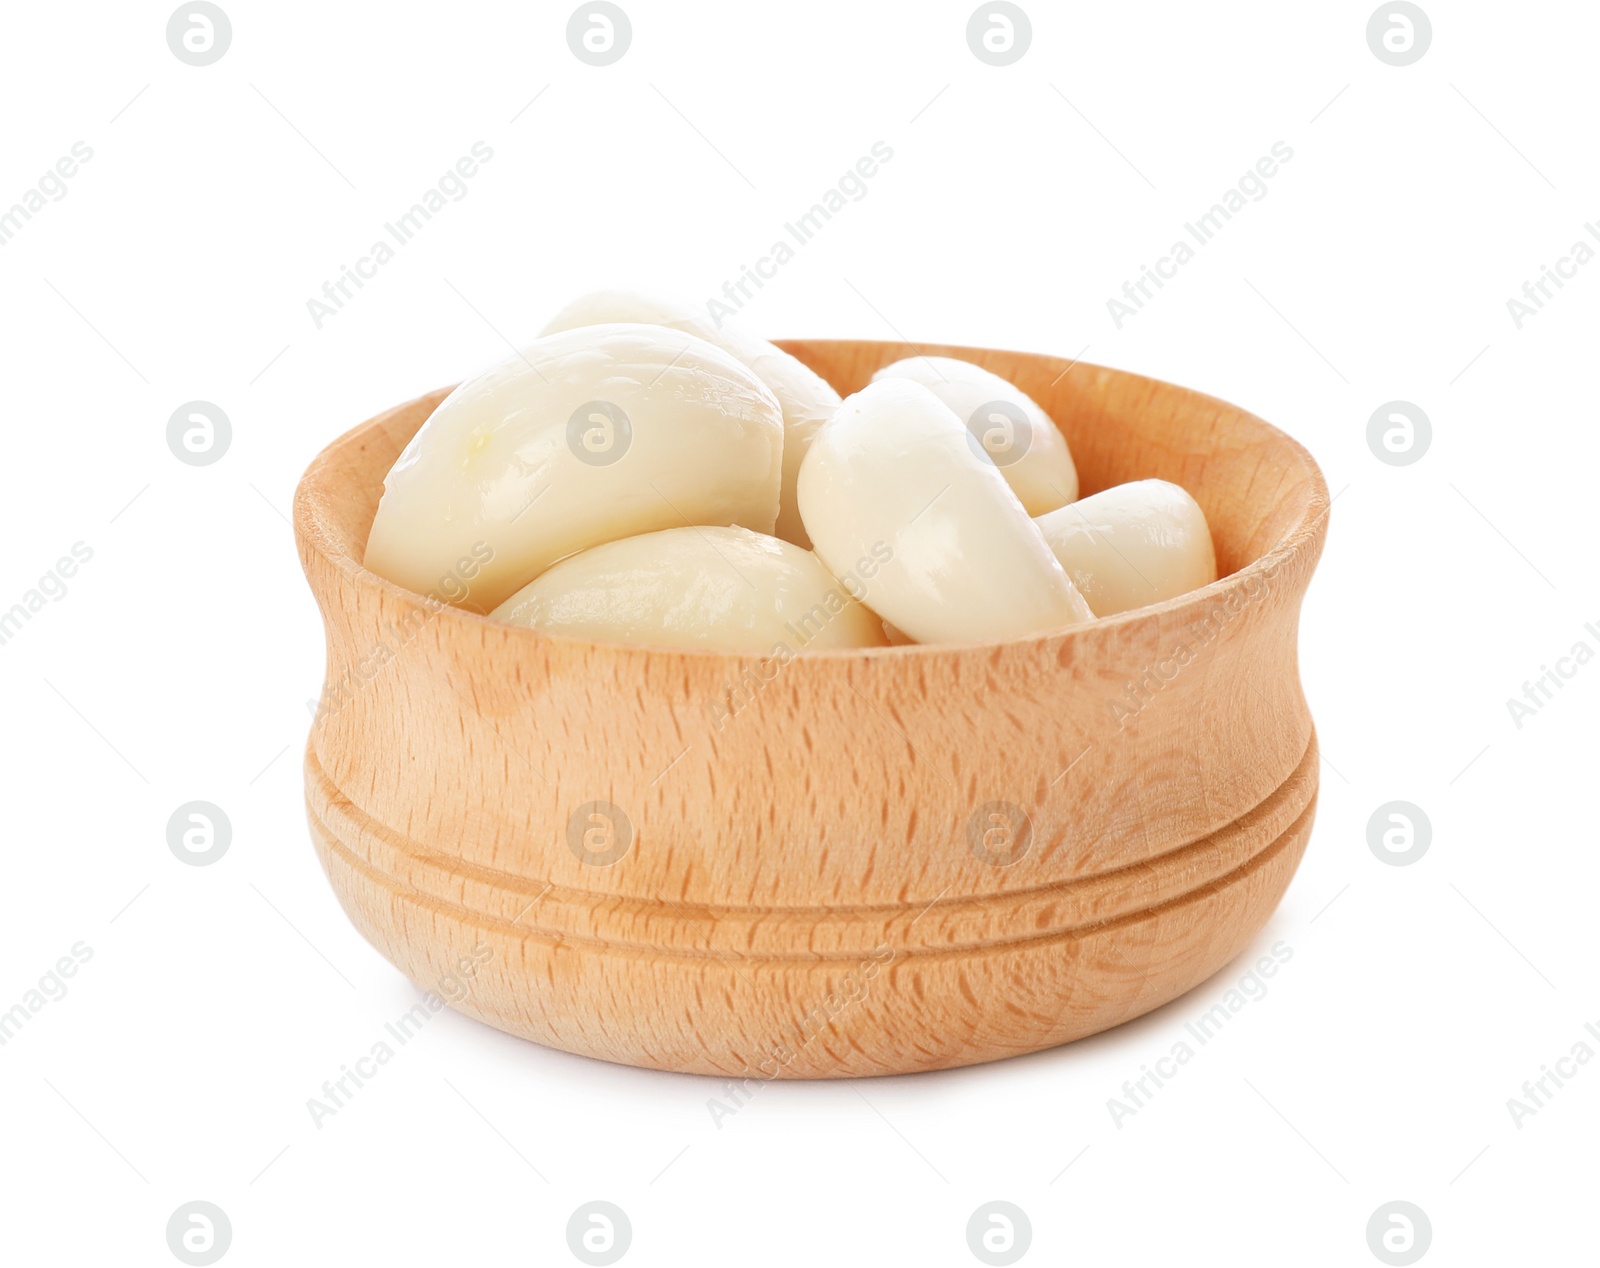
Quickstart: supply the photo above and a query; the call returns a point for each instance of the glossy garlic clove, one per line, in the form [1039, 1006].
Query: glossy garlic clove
[806, 398]
[893, 478]
[1005, 423]
[582, 438]
[1132, 545]
[720, 588]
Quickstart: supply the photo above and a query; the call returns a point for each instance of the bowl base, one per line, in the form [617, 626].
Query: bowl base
[590, 974]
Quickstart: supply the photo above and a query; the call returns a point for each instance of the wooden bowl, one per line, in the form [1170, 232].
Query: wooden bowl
[855, 863]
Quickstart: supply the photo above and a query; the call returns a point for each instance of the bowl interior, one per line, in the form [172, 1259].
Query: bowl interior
[1256, 485]
[1258, 488]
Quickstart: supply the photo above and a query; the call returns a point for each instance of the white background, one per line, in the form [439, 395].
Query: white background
[179, 662]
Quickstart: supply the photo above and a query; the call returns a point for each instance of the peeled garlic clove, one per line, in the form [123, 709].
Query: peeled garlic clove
[582, 438]
[806, 398]
[1133, 544]
[723, 588]
[893, 480]
[1005, 423]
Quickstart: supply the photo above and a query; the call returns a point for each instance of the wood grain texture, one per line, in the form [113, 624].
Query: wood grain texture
[808, 889]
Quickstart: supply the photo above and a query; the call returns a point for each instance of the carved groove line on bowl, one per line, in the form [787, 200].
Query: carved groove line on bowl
[1059, 911]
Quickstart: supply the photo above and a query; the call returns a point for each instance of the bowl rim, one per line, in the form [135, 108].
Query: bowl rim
[1305, 534]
